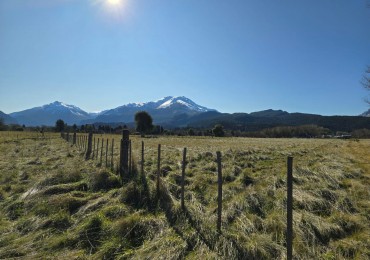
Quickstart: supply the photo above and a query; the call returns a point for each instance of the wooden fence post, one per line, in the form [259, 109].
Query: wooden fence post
[142, 159]
[130, 158]
[219, 198]
[158, 168]
[89, 146]
[93, 150]
[183, 179]
[124, 153]
[101, 151]
[106, 153]
[97, 149]
[111, 160]
[289, 235]
[67, 137]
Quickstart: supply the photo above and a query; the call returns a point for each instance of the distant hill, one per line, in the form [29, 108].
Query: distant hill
[7, 119]
[271, 118]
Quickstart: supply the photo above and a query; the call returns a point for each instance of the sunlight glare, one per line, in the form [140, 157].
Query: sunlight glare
[114, 2]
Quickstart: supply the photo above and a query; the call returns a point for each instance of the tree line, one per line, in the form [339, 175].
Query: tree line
[144, 126]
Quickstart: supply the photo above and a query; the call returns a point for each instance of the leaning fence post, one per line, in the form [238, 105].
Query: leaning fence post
[124, 153]
[74, 138]
[89, 146]
[289, 235]
[158, 168]
[219, 198]
[183, 179]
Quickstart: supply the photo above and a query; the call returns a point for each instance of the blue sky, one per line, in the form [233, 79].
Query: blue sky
[234, 56]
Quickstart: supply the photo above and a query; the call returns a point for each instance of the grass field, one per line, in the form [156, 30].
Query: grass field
[55, 204]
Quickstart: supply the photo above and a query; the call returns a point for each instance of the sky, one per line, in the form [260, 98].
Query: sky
[234, 56]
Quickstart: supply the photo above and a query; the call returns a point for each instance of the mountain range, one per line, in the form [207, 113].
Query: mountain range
[181, 111]
[162, 110]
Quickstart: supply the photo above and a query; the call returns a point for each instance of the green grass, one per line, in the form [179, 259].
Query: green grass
[55, 204]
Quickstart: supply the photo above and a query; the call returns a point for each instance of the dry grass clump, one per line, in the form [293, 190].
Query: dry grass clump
[103, 180]
[61, 177]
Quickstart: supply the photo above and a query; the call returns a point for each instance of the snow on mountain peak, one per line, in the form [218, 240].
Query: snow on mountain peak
[58, 106]
[181, 100]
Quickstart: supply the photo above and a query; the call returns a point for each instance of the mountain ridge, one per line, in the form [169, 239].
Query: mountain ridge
[180, 111]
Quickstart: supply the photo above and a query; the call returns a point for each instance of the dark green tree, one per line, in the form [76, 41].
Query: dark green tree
[218, 131]
[60, 125]
[144, 122]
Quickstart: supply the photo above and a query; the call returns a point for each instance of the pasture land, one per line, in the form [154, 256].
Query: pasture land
[55, 204]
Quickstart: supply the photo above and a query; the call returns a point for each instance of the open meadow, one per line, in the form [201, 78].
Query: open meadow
[54, 204]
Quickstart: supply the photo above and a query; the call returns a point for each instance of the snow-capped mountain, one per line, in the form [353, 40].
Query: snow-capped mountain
[162, 110]
[48, 114]
[182, 101]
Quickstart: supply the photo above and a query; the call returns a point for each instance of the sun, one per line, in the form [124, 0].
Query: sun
[114, 2]
[113, 10]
